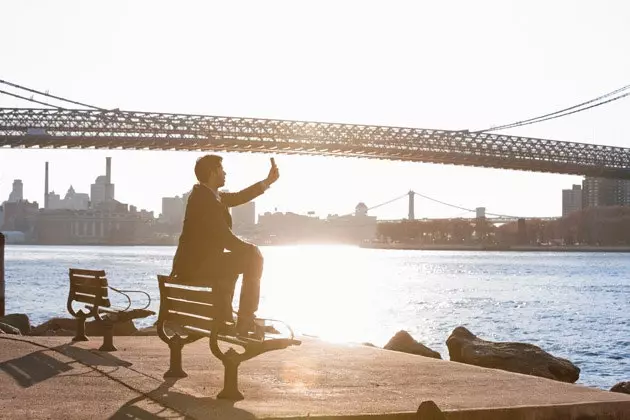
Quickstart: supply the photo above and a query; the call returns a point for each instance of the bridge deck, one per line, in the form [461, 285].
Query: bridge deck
[76, 128]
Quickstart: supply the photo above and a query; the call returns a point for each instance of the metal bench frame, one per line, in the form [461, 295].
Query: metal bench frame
[90, 287]
[194, 310]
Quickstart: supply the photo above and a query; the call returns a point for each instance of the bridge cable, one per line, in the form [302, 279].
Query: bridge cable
[378, 205]
[50, 96]
[387, 202]
[28, 99]
[563, 112]
[462, 208]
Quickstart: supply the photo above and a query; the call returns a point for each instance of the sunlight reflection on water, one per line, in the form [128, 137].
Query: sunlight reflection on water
[572, 305]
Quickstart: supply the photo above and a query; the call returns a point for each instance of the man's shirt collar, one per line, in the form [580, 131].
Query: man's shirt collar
[214, 192]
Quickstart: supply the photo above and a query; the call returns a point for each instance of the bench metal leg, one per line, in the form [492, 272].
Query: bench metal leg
[230, 381]
[108, 337]
[80, 335]
[175, 370]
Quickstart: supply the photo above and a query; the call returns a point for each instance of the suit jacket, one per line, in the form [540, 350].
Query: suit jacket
[207, 229]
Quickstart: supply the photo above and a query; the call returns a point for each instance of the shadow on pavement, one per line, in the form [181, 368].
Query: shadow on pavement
[34, 368]
[180, 406]
[41, 365]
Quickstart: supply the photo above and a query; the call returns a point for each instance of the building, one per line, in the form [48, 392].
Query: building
[571, 200]
[20, 216]
[173, 209]
[71, 201]
[102, 190]
[91, 226]
[295, 228]
[244, 217]
[600, 192]
[17, 193]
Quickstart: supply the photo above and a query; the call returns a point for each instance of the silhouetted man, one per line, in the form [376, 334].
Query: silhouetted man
[201, 260]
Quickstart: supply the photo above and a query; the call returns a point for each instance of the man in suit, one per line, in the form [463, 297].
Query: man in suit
[201, 260]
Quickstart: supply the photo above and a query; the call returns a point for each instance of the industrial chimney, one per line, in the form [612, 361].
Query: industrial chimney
[108, 170]
[46, 187]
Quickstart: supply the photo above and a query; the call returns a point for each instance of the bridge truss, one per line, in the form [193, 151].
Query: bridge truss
[115, 129]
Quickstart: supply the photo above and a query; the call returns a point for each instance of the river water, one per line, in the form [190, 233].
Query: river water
[573, 305]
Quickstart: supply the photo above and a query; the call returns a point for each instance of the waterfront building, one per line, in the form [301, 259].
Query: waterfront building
[571, 200]
[600, 192]
[102, 190]
[94, 226]
[71, 201]
[20, 216]
[173, 209]
[244, 217]
[17, 193]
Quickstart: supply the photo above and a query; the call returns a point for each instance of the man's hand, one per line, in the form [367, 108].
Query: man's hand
[274, 174]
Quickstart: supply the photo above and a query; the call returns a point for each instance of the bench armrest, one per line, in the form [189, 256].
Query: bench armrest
[125, 294]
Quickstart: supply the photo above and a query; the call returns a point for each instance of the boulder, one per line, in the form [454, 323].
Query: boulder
[402, 341]
[9, 329]
[147, 331]
[623, 387]
[19, 321]
[68, 327]
[465, 347]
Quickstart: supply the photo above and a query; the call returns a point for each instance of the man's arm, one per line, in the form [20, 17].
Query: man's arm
[253, 191]
[244, 196]
[224, 234]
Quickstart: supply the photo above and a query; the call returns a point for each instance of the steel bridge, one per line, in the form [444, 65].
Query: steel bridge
[115, 129]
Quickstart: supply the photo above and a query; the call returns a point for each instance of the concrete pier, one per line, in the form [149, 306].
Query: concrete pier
[49, 377]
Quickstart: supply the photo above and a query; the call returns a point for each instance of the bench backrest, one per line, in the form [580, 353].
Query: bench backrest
[189, 306]
[89, 286]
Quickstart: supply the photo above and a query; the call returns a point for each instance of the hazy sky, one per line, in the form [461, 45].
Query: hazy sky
[450, 65]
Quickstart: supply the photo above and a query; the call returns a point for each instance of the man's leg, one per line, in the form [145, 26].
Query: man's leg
[221, 275]
[250, 263]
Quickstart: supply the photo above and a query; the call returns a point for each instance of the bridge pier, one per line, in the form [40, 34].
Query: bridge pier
[411, 205]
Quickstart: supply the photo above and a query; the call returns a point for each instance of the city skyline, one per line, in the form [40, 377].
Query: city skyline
[396, 65]
[89, 201]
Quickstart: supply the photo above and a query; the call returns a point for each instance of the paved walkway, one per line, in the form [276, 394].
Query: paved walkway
[46, 377]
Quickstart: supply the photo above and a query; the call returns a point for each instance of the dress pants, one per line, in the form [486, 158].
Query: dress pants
[222, 273]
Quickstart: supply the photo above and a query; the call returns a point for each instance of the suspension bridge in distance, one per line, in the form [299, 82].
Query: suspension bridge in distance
[62, 128]
[479, 212]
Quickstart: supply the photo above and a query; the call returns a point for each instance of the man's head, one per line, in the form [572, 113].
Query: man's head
[209, 170]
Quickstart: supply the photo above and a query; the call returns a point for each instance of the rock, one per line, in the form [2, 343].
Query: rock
[147, 331]
[9, 329]
[623, 387]
[19, 321]
[68, 326]
[465, 347]
[429, 410]
[405, 343]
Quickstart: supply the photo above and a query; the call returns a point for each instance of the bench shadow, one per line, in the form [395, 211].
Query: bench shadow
[41, 365]
[180, 406]
[34, 368]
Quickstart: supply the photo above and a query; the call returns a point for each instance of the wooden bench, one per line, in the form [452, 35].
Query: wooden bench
[90, 288]
[196, 311]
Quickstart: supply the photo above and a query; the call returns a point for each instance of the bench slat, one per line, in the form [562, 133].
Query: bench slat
[193, 308]
[88, 281]
[204, 296]
[89, 290]
[93, 300]
[191, 321]
[91, 273]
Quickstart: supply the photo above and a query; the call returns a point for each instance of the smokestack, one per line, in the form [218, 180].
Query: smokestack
[46, 187]
[108, 170]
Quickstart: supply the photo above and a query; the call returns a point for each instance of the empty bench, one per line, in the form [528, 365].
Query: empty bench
[198, 312]
[90, 288]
